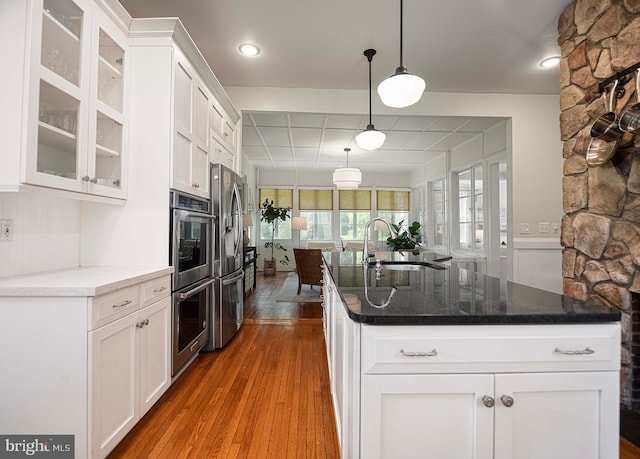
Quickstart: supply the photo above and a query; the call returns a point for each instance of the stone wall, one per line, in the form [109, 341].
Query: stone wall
[601, 225]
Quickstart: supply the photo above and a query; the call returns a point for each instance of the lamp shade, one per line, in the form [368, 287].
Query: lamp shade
[247, 220]
[299, 223]
[347, 178]
[401, 89]
[370, 138]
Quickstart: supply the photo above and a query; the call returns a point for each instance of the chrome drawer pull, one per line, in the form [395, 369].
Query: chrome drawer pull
[418, 354]
[158, 290]
[586, 350]
[122, 305]
[488, 401]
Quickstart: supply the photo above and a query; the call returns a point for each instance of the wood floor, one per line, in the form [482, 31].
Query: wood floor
[265, 395]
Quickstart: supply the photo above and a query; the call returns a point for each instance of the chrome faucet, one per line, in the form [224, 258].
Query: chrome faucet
[365, 248]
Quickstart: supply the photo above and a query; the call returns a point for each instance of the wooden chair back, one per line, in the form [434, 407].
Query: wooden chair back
[309, 267]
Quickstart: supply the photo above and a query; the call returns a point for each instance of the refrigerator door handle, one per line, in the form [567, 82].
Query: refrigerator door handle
[237, 216]
[233, 279]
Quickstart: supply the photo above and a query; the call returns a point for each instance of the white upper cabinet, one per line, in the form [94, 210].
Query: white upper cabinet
[191, 104]
[191, 142]
[73, 112]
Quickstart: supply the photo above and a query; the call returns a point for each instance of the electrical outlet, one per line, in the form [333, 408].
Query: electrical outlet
[543, 227]
[6, 230]
[555, 228]
[524, 228]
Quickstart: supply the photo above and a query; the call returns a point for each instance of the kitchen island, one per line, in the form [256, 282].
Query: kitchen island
[438, 362]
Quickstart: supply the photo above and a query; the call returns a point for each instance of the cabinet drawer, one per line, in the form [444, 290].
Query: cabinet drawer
[154, 290]
[111, 306]
[495, 348]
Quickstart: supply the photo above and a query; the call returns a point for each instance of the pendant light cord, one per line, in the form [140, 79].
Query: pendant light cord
[370, 53]
[401, 8]
[347, 150]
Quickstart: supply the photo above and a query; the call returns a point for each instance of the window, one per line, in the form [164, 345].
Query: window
[470, 209]
[437, 213]
[394, 206]
[281, 197]
[317, 207]
[355, 212]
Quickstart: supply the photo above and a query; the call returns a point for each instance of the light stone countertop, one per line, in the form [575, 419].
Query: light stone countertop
[81, 281]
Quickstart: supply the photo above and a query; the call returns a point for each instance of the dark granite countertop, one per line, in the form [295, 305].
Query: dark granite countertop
[447, 295]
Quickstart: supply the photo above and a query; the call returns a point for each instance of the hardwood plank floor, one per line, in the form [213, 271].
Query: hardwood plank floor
[265, 395]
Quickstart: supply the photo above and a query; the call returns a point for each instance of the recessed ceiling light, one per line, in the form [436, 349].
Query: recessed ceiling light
[550, 62]
[247, 49]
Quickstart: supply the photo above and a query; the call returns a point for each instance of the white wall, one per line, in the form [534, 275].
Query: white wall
[533, 147]
[46, 233]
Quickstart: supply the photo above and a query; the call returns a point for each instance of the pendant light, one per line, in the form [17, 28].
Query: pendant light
[370, 138]
[401, 89]
[347, 178]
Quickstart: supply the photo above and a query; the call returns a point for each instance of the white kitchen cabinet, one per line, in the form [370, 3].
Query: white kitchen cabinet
[71, 122]
[473, 391]
[223, 132]
[174, 116]
[93, 365]
[129, 372]
[191, 147]
[553, 415]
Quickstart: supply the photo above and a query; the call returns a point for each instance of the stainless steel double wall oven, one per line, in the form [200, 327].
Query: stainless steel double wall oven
[192, 226]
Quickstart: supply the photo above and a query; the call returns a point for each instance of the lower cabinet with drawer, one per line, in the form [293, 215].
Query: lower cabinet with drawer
[86, 353]
[501, 391]
[130, 370]
[473, 391]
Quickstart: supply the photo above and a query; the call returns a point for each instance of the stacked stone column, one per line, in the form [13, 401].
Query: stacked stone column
[601, 225]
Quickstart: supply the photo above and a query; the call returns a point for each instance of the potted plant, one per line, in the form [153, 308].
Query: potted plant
[407, 239]
[271, 215]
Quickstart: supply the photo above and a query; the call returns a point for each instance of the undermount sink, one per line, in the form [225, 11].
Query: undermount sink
[407, 265]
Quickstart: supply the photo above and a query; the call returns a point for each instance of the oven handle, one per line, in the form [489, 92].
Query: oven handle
[196, 290]
[233, 279]
[189, 213]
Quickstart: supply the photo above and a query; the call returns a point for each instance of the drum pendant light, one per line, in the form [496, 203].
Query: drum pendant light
[401, 89]
[347, 178]
[370, 138]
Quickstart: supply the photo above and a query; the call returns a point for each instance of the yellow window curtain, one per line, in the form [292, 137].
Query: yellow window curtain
[281, 197]
[355, 199]
[393, 200]
[315, 199]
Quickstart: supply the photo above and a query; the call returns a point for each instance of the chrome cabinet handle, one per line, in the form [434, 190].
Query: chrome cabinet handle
[507, 401]
[158, 290]
[196, 185]
[94, 180]
[86, 178]
[122, 305]
[142, 323]
[432, 353]
[488, 401]
[585, 351]
[145, 321]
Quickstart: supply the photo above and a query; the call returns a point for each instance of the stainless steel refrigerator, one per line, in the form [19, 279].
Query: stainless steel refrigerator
[227, 306]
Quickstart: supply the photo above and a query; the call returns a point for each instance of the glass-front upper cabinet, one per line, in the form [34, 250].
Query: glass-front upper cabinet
[61, 93]
[80, 81]
[107, 115]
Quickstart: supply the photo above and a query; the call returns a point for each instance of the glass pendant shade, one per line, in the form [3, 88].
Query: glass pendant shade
[370, 138]
[401, 89]
[347, 178]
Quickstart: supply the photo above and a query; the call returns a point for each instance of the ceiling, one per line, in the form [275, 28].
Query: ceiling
[464, 46]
